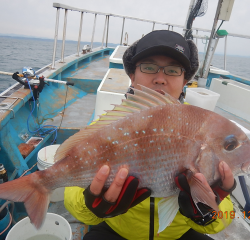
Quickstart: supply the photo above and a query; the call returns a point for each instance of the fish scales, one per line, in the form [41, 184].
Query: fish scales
[148, 143]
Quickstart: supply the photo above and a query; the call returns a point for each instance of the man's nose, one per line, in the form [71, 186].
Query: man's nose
[160, 78]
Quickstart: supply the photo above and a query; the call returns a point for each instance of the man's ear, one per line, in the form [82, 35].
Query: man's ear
[132, 77]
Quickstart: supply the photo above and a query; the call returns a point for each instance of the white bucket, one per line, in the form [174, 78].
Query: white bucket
[202, 97]
[45, 159]
[54, 227]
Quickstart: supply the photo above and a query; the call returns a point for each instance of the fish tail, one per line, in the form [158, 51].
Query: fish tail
[27, 189]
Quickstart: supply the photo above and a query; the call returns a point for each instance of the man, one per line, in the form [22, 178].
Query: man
[163, 61]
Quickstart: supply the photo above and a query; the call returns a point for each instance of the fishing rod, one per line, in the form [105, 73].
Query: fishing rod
[37, 78]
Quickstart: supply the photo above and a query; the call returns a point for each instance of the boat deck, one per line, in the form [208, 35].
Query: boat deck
[233, 117]
[80, 113]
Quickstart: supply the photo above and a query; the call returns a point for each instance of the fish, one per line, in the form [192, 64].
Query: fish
[155, 137]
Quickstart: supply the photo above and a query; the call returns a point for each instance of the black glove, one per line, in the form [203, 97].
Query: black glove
[220, 192]
[129, 197]
[203, 215]
[187, 206]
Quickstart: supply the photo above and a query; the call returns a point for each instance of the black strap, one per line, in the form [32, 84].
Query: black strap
[151, 220]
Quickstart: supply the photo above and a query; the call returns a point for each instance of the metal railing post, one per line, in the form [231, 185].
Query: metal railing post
[64, 34]
[122, 30]
[107, 35]
[225, 53]
[210, 48]
[55, 38]
[126, 39]
[153, 26]
[93, 33]
[80, 34]
[104, 30]
[197, 38]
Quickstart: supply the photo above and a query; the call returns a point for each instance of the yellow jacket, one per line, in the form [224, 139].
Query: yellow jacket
[134, 224]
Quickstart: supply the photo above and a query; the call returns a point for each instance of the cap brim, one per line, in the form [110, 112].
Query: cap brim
[163, 50]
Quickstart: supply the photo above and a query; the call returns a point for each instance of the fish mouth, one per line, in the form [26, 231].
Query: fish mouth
[245, 167]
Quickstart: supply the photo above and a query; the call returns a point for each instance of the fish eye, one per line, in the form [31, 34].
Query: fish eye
[230, 143]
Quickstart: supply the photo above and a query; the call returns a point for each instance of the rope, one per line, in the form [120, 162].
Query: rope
[42, 128]
[64, 107]
[8, 225]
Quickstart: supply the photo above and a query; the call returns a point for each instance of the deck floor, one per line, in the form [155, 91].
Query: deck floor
[231, 116]
[77, 115]
[95, 70]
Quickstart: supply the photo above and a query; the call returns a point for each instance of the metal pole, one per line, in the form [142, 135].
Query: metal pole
[107, 35]
[80, 34]
[126, 39]
[168, 27]
[64, 34]
[122, 30]
[191, 6]
[197, 38]
[153, 26]
[225, 53]
[104, 30]
[55, 38]
[204, 71]
[93, 33]
[245, 193]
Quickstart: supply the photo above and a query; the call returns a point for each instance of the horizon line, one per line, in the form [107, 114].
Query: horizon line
[51, 39]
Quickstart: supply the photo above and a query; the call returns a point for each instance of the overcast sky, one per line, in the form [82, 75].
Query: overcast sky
[37, 18]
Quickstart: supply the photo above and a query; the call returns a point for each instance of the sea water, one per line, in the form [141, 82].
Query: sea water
[45, 237]
[19, 52]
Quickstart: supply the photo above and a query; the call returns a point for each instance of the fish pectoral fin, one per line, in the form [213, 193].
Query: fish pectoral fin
[200, 192]
[167, 210]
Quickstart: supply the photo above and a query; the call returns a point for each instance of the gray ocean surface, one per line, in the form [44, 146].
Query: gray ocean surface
[18, 52]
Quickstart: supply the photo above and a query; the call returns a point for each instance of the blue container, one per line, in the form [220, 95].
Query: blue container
[210, 77]
[4, 222]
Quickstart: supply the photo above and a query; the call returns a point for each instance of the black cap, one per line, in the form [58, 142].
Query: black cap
[163, 42]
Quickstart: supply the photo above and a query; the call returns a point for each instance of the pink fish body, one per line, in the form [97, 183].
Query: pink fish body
[153, 135]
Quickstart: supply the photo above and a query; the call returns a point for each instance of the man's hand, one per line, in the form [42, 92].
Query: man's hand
[118, 198]
[227, 178]
[227, 184]
[111, 195]
[221, 190]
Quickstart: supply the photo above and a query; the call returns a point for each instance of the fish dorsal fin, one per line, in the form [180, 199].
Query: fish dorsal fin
[110, 117]
[141, 100]
[124, 109]
[165, 98]
[150, 96]
[129, 103]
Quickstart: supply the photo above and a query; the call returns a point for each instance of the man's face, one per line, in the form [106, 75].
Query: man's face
[173, 85]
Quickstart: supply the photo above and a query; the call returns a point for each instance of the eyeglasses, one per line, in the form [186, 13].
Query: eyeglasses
[153, 68]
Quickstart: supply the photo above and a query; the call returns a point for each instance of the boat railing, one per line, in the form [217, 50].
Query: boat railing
[59, 6]
[170, 26]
